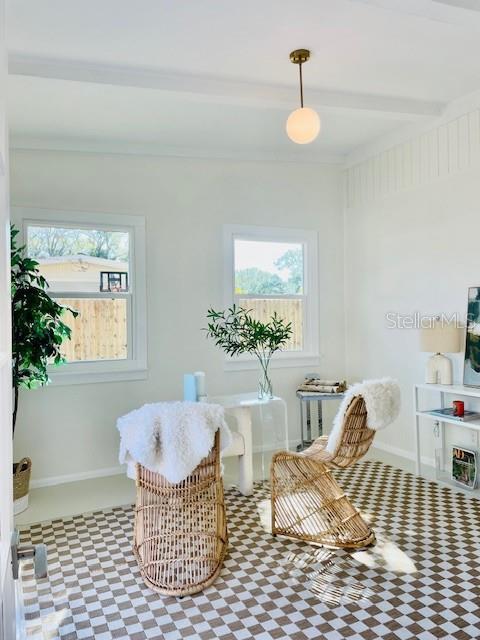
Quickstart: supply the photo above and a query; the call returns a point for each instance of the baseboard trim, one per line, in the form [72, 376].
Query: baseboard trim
[52, 481]
[402, 453]
[76, 477]
[268, 448]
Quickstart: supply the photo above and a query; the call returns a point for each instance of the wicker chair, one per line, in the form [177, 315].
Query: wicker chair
[180, 535]
[307, 501]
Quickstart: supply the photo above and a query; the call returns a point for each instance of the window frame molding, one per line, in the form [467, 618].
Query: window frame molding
[134, 367]
[310, 355]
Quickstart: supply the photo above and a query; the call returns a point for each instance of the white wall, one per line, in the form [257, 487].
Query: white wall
[7, 588]
[70, 430]
[412, 245]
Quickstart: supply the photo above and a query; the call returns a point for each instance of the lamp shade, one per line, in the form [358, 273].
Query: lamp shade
[303, 125]
[440, 338]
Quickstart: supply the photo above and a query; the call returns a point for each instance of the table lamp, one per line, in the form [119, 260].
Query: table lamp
[439, 338]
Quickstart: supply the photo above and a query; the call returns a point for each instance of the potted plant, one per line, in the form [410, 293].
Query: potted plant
[237, 332]
[37, 335]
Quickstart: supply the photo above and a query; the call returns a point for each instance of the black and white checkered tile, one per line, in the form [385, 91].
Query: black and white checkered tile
[421, 580]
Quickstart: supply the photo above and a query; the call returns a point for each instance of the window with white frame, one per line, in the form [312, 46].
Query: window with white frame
[95, 265]
[275, 270]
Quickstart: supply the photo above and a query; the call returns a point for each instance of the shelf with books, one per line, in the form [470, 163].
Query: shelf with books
[443, 474]
[425, 413]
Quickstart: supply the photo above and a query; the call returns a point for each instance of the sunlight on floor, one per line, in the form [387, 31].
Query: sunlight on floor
[264, 509]
[386, 555]
[332, 576]
[51, 620]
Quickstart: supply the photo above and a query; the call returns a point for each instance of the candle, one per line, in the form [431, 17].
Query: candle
[189, 387]
[458, 408]
[201, 386]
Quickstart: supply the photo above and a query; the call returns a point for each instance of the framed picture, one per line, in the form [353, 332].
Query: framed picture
[471, 366]
[116, 281]
[464, 467]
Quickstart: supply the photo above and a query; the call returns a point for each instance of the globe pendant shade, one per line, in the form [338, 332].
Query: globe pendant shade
[303, 125]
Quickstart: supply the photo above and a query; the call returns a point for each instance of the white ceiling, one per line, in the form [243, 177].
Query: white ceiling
[215, 74]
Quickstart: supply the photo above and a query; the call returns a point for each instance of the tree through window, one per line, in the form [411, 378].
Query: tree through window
[268, 278]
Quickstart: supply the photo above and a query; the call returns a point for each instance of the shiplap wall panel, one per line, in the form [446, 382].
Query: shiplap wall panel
[453, 164]
[463, 143]
[474, 138]
[444, 150]
[416, 162]
[432, 150]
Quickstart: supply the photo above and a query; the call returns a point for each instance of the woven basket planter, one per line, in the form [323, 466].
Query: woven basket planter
[21, 484]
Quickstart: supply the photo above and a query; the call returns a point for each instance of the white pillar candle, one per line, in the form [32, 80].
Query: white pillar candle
[201, 385]
[189, 387]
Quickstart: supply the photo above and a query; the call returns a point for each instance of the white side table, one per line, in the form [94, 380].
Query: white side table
[240, 407]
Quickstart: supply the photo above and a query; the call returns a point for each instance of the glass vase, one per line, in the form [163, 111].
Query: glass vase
[265, 391]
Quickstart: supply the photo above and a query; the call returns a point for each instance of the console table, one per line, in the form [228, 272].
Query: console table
[240, 406]
[306, 397]
[437, 398]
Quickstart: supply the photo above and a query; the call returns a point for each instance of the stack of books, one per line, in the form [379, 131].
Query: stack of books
[316, 385]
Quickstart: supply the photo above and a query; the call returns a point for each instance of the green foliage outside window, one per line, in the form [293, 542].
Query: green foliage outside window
[256, 281]
[53, 242]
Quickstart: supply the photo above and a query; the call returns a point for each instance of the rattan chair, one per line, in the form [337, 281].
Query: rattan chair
[180, 535]
[307, 501]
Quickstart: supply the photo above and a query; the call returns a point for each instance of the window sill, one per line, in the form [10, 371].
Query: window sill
[251, 364]
[71, 376]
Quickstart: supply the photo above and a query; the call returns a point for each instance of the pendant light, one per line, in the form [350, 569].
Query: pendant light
[303, 125]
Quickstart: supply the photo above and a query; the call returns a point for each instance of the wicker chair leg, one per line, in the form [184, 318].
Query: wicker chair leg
[309, 504]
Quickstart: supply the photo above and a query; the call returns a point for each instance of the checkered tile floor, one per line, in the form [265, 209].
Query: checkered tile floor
[421, 580]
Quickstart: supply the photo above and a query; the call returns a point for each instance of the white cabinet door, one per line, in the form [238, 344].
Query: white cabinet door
[7, 610]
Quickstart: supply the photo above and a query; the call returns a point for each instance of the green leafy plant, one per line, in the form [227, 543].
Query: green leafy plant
[37, 329]
[236, 332]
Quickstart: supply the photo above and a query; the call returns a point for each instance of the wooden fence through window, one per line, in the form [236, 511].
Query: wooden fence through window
[291, 309]
[99, 332]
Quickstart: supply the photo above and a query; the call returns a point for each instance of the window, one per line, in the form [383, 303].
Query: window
[275, 270]
[94, 265]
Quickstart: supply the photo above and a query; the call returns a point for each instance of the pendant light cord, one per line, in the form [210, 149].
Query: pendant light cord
[301, 85]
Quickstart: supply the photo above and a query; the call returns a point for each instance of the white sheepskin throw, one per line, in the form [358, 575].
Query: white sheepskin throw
[170, 438]
[382, 400]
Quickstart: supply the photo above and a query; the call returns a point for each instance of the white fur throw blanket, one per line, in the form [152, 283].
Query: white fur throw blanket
[382, 400]
[170, 438]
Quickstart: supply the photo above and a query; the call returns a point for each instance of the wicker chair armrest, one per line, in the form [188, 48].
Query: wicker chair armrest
[316, 451]
[284, 455]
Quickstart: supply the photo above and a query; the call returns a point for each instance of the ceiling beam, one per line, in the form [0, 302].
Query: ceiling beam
[463, 13]
[220, 90]
[471, 5]
[21, 142]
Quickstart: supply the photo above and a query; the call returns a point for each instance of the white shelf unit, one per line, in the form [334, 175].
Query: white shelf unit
[437, 398]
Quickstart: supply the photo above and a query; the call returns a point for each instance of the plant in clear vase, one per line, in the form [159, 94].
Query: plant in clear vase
[237, 332]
